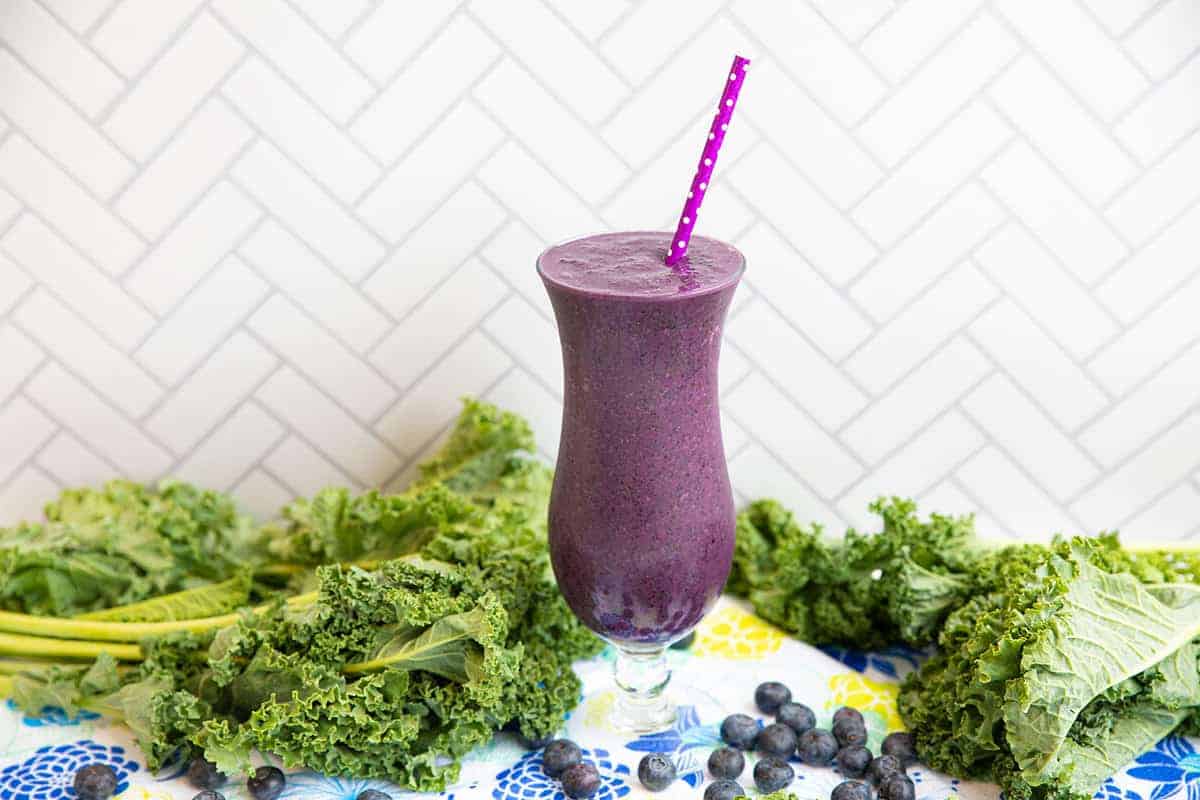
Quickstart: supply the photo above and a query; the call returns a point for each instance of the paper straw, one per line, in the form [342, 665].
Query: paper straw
[708, 158]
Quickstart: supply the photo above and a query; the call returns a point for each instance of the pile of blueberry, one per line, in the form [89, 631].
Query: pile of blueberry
[562, 759]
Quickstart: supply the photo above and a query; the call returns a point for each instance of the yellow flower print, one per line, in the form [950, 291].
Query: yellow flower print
[146, 794]
[734, 633]
[854, 690]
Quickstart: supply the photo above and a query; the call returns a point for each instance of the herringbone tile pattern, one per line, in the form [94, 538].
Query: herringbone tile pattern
[265, 245]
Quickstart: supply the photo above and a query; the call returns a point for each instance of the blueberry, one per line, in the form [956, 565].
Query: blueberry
[739, 730]
[95, 782]
[897, 787]
[772, 774]
[883, 766]
[203, 774]
[580, 780]
[724, 790]
[656, 772]
[817, 747]
[853, 760]
[847, 712]
[771, 695]
[848, 731]
[558, 755]
[685, 643]
[851, 790]
[776, 740]
[726, 762]
[266, 783]
[208, 794]
[902, 745]
[796, 716]
[373, 794]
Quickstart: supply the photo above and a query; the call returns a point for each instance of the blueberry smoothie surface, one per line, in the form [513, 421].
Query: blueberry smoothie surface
[641, 513]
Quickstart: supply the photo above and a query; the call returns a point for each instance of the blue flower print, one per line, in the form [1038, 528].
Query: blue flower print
[525, 780]
[1174, 765]
[685, 735]
[50, 772]
[1109, 790]
[894, 662]
[315, 786]
[53, 715]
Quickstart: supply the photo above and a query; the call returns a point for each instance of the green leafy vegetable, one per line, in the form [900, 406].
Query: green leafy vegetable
[203, 601]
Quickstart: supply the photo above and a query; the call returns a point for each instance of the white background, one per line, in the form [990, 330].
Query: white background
[266, 245]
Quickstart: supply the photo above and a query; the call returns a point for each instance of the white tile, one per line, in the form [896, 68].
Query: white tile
[795, 365]
[333, 18]
[592, 17]
[56, 328]
[1150, 342]
[394, 32]
[19, 357]
[1168, 36]
[25, 496]
[55, 54]
[529, 339]
[1155, 270]
[1078, 51]
[201, 321]
[307, 210]
[1018, 503]
[942, 240]
[540, 41]
[59, 129]
[790, 435]
[923, 462]
[1158, 194]
[303, 470]
[1060, 219]
[23, 429]
[938, 89]
[436, 167]
[1038, 364]
[1170, 518]
[800, 293]
[235, 446]
[13, 283]
[326, 361]
[1045, 290]
[916, 29]
[920, 328]
[814, 54]
[432, 251]
[309, 412]
[565, 145]
[400, 116]
[1168, 113]
[1139, 480]
[470, 368]
[512, 253]
[88, 291]
[645, 39]
[755, 473]
[167, 94]
[809, 221]
[211, 393]
[71, 463]
[1118, 17]
[733, 365]
[287, 40]
[536, 196]
[79, 15]
[298, 128]
[97, 423]
[917, 399]
[53, 194]
[261, 496]
[9, 205]
[137, 30]
[193, 248]
[437, 323]
[855, 19]
[1145, 411]
[830, 158]
[304, 278]
[1062, 130]
[186, 167]
[1026, 434]
[523, 395]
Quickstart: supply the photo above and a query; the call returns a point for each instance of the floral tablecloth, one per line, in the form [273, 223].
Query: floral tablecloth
[733, 652]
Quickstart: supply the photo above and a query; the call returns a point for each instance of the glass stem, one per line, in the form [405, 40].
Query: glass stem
[642, 677]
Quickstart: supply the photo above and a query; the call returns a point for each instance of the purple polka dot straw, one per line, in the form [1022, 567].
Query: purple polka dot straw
[716, 136]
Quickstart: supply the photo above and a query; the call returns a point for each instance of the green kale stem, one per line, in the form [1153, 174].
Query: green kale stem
[37, 646]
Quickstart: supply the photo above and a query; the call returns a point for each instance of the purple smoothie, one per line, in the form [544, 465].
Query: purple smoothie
[641, 513]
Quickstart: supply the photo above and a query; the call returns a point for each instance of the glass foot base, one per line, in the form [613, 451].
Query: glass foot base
[635, 717]
[642, 704]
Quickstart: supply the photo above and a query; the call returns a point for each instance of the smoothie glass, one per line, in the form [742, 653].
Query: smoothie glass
[641, 513]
